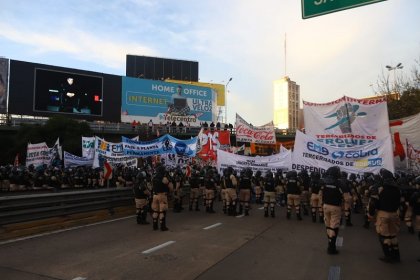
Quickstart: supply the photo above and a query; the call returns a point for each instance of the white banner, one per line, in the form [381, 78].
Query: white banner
[71, 160]
[88, 147]
[113, 153]
[347, 122]
[254, 134]
[405, 130]
[278, 161]
[314, 156]
[37, 154]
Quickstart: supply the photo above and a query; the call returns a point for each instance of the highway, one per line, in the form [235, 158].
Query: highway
[206, 246]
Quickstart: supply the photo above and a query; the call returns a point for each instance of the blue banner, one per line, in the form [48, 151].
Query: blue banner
[162, 145]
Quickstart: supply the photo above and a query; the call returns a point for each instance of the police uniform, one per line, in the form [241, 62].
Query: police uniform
[245, 186]
[258, 187]
[194, 190]
[304, 196]
[293, 194]
[141, 195]
[332, 197]
[387, 220]
[348, 198]
[316, 198]
[231, 196]
[269, 194]
[210, 186]
[415, 206]
[161, 188]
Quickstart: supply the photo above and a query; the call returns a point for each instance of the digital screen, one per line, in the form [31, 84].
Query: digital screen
[67, 93]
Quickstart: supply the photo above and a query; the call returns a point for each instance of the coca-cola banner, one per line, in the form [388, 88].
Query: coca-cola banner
[254, 134]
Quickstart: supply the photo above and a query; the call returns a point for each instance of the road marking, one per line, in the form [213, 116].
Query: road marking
[61, 230]
[261, 208]
[339, 241]
[240, 216]
[212, 226]
[158, 247]
[79, 278]
[334, 273]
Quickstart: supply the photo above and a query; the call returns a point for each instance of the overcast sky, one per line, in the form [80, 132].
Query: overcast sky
[328, 56]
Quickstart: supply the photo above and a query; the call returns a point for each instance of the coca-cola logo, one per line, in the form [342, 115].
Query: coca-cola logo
[266, 135]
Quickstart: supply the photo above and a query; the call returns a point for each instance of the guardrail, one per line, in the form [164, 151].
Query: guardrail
[23, 208]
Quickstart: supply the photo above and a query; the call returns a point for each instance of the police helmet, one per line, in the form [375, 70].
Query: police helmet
[258, 173]
[333, 171]
[386, 174]
[291, 174]
[344, 174]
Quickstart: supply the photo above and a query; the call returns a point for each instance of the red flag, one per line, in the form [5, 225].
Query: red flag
[107, 171]
[16, 162]
[188, 171]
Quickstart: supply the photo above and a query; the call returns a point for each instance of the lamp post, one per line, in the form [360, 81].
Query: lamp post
[226, 92]
[393, 68]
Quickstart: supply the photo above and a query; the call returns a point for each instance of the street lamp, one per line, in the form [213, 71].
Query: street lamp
[393, 68]
[226, 91]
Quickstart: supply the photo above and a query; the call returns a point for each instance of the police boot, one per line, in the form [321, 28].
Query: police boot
[224, 208]
[410, 229]
[246, 210]
[138, 217]
[155, 224]
[196, 206]
[298, 216]
[190, 206]
[387, 254]
[163, 223]
[211, 208]
[395, 254]
[348, 221]
[272, 212]
[180, 204]
[144, 217]
[332, 250]
[241, 209]
[314, 217]
[367, 223]
[288, 214]
[176, 207]
[265, 212]
[305, 210]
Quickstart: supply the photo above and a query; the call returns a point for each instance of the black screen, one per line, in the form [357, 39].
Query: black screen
[69, 93]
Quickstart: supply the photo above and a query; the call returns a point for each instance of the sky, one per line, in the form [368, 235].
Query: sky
[342, 53]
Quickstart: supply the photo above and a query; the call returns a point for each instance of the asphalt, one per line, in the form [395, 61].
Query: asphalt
[207, 246]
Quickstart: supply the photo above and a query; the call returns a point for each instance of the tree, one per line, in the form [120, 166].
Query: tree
[403, 93]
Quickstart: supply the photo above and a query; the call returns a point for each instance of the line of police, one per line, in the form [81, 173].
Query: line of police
[382, 197]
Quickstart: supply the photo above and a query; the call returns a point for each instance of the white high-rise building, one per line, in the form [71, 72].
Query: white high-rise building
[286, 104]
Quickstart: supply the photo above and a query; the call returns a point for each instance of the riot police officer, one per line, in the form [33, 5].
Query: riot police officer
[293, 191]
[231, 184]
[415, 206]
[245, 187]
[269, 194]
[141, 195]
[387, 220]
[348, 197]
[332, 197]
[161, 188]
[210, 186]
[258, 187]
[316, 199]
[194, 189]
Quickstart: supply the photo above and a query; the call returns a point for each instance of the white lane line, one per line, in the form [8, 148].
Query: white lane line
[334, 273]
[158, 247]
[62, 230]
[212, 226]
[240, 216]
[261, 208]
[339, 241]
[79, 278]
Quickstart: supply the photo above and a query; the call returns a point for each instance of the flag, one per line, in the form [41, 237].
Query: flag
[16, 162]
[241, 148]
[107, 171]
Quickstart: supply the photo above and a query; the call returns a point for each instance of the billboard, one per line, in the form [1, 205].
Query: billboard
[157, 68]
[66, 92]
[219, 88]
[4, 72]
[162, 102]
[46, 90]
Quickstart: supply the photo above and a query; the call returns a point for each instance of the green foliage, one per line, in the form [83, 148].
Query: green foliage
[407, 105]
[69, 132]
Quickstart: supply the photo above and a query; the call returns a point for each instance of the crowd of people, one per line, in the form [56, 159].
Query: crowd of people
[330, 198]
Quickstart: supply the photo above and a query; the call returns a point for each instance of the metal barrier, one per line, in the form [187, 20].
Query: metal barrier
[23, 208]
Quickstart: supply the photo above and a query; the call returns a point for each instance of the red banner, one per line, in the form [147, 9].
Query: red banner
[210, 141]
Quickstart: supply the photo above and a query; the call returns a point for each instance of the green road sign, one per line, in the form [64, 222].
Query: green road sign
[313, 8]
